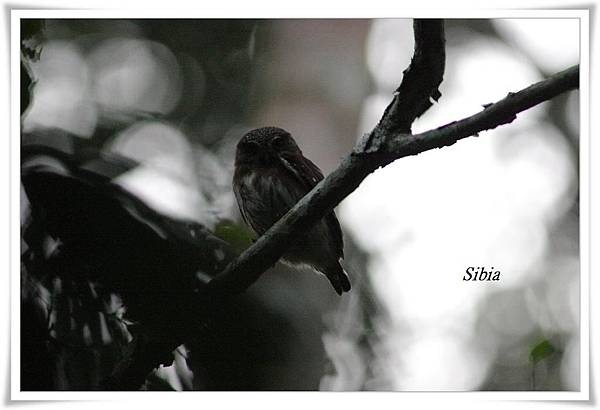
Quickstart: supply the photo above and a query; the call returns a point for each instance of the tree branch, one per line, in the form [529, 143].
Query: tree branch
[391, 139]
[420, 81]
[265, 252]
[412, 98]
[502, 112]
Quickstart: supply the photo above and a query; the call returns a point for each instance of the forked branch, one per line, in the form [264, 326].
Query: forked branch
[390, 140]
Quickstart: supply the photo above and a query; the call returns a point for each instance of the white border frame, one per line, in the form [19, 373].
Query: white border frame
[248, 11]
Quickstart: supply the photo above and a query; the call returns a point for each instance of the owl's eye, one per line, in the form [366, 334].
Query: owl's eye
[278, 142]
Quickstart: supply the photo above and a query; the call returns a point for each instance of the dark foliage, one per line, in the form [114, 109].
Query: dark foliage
[108, 237]
[99, 266]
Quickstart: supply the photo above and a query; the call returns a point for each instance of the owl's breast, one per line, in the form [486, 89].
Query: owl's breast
[265, 195]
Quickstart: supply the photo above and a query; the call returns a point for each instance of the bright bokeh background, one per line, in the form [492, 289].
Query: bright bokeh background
[492, 202]
[178, 101]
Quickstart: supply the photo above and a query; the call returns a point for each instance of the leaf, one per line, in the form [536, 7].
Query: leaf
[541, 351]
[238, 236]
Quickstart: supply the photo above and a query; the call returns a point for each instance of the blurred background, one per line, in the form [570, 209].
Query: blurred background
[176, 96]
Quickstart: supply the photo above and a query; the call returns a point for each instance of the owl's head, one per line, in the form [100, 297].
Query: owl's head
[263, 146]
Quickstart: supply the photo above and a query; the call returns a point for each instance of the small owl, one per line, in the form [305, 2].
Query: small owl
[271, 176]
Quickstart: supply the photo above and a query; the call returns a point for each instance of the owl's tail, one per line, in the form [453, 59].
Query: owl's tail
[338, 278]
